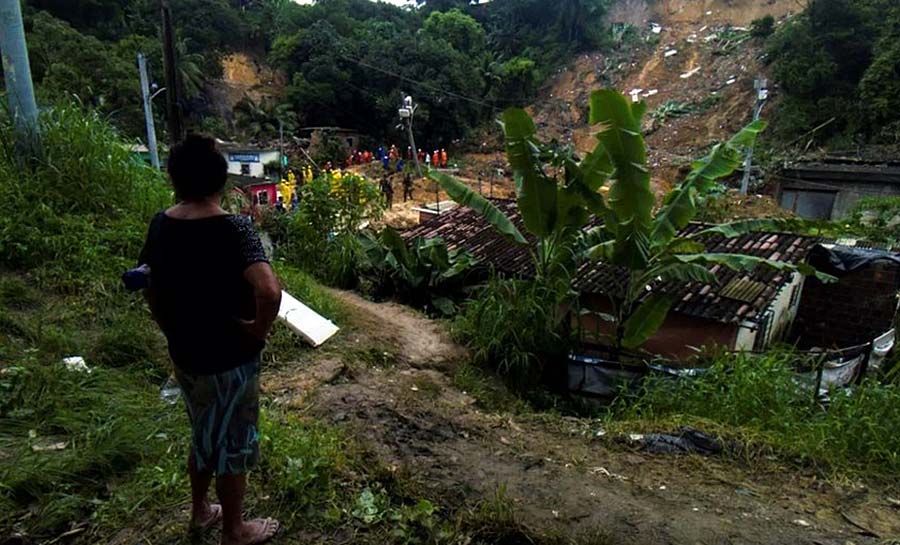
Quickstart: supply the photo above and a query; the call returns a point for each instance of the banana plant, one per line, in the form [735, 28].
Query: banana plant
[558, 192]
[422, 272]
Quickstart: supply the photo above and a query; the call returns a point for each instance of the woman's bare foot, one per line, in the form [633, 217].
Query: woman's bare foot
[254, 532]
[209, 516]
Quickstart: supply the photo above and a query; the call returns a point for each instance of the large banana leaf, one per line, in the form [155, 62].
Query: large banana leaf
[646, 320]
[682, 272]
[630, 197]
[740, 262]
[463, 194]
[595, 169]
[680, 205]
[536, 193]
[395, 245]
[743, 227]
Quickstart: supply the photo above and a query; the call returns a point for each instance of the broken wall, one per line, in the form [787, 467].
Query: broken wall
[679, 337]
[855, 310]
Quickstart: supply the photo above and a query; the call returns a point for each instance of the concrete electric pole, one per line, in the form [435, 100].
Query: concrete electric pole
[17, 71]
[148, 111]
[407, 113]
[762, 94]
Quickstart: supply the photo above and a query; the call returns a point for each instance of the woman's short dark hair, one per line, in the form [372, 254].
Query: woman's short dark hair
[197, 168]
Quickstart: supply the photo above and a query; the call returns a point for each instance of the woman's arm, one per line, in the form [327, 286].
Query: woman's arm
[150, 297]
[267, 292]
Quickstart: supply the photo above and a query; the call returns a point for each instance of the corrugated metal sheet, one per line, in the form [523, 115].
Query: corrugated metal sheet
[742, 289]
[737, 297]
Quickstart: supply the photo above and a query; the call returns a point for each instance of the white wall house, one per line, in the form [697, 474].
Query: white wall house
[249, 160]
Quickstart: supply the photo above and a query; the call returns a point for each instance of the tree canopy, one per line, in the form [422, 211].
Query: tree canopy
[831, 56]
[347, 62]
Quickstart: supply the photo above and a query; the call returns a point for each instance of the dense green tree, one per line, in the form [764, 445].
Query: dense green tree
[101, 18]
[837, 60]
[458, 29]
[348, 62]
[65, 62]
[259, 121]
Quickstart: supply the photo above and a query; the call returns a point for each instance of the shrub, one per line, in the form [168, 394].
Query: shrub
[763, 27]
[877, 219]
[422, 273]
[512, 326]
[321, 236]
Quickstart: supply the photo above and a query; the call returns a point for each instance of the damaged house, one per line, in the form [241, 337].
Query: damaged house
[829, 188]
[743, 311]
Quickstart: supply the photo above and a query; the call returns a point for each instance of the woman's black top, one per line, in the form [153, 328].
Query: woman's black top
[197, 272]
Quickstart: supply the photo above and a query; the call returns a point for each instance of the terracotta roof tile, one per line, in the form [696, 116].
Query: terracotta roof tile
[464, 229]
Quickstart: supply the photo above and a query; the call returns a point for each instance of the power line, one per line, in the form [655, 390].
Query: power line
[438, 89]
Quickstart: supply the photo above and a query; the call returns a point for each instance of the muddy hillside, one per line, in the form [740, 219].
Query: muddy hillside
[693, 62]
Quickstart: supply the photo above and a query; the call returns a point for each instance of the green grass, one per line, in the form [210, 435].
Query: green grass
[756, 401]
[508, 325]
[489, 390]
[18, 294]
[109, 421]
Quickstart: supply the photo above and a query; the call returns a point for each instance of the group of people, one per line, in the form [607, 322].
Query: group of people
[437, 159]
[393, 160]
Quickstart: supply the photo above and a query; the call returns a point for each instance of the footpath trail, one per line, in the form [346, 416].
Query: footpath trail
[400, 399]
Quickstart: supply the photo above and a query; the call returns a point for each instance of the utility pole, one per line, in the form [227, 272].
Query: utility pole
[148, 111]
[762, 94]
[173, 96]
[281, 164]
[407, 112]
[17, 71]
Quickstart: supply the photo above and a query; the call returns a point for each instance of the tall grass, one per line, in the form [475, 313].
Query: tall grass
[75, 211]
[510, 325]
[103, 424]
[757, 399]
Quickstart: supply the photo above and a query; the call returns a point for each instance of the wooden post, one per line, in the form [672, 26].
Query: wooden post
[173, 95]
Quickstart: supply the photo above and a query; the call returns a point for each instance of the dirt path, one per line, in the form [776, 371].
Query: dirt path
[557, 471]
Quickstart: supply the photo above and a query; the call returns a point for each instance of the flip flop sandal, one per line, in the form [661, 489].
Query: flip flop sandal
[269, 529]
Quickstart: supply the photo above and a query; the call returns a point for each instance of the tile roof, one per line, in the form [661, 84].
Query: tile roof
[737, 297]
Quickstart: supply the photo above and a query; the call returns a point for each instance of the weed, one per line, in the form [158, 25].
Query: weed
[757, 400]
[304, 461]
[489, 391]
[16, 293]
[510, 325]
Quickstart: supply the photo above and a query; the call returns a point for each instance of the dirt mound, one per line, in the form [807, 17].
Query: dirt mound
[417, 341]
